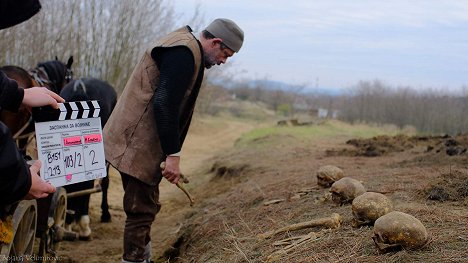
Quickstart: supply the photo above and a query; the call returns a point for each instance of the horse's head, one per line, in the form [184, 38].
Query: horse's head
[69, 71]
[58, 74]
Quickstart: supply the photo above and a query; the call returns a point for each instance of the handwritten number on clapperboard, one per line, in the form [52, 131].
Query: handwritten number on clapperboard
[94, 156]
[54, 171]
[73, 160]
[53, 157]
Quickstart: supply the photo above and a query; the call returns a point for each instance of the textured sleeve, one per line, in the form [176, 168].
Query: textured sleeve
[15, 179]
[176, 66]
[11, 95]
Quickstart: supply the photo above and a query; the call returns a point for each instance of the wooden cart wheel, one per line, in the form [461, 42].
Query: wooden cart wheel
[49, 242]
[59, 203]
[24, 227]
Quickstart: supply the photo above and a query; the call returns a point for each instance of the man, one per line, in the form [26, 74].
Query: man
[17, 180]
[152, 117]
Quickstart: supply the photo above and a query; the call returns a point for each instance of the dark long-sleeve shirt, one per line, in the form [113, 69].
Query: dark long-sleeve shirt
[15, 179]
[10, 95]
[176, 66]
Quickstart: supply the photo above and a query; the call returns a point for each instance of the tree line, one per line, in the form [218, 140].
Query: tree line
[105, 37]
[429, 111]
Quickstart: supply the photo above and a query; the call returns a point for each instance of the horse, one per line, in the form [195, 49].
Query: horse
[53, 74]
[82, 90]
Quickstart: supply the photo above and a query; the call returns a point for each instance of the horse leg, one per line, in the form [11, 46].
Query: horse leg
[105, 215]
[80, 205]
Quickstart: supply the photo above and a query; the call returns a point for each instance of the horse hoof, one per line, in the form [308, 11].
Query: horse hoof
[85, 230]
[106, 218]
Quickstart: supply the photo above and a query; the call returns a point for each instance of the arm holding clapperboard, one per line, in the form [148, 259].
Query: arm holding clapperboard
[16, 180]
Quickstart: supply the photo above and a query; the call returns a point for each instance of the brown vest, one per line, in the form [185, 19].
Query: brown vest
[131, 141]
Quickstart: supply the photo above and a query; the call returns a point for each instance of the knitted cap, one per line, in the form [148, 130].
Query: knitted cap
[228, 31]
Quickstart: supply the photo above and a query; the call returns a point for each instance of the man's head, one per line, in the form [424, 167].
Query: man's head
[220, 40]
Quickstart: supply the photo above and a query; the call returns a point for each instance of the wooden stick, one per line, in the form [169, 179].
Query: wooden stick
[181, 186]
[333, 221]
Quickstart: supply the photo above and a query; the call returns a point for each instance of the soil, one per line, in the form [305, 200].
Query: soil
[270, 182]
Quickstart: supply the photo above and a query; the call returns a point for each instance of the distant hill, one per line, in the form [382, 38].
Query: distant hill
[278, 85]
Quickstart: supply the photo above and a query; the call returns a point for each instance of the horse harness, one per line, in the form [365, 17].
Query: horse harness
[40, 75]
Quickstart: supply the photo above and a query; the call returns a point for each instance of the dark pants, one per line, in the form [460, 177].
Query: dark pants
[141, 204]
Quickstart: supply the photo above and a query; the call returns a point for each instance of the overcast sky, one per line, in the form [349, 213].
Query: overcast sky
[333, 43]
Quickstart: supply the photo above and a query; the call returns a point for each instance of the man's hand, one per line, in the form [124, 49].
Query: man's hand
[171, 170]
[40, 96]
[39, 188]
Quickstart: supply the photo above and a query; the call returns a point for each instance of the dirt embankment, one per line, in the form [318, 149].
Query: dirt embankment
[270, 182]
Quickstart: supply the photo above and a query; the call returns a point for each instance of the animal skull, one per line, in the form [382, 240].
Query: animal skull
[368, 207]
[328, 174]
[397, 230]
[345, 190]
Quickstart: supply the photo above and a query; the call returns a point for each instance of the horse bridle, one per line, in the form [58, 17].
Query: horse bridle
[68, 75]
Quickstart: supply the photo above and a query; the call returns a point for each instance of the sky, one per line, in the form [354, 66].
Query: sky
[337, 43]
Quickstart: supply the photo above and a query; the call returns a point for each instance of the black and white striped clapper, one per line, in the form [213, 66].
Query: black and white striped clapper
[68, 111]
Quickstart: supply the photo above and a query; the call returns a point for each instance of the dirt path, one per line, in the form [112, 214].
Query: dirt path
[207, 138]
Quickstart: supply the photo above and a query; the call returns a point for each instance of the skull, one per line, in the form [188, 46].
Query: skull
[328, 174]
[397, 230]
[368, 207]
[345, 190]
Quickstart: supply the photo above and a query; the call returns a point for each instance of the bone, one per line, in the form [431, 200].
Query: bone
[181, 186]
[333, 221]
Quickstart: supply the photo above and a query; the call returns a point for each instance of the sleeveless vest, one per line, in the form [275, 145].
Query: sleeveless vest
[131, 141]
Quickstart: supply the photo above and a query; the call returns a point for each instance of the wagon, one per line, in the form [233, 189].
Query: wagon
[41, 221]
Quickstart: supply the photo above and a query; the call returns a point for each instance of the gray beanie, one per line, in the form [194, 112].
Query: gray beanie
[228, 31]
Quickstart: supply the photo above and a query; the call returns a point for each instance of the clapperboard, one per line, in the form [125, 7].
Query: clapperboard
[69, 142]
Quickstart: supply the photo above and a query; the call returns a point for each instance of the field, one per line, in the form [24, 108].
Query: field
[237, 166]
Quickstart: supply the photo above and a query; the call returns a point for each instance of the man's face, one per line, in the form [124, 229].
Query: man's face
[217, 53]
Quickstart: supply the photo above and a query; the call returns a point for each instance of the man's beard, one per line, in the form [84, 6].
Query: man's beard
[208, 62]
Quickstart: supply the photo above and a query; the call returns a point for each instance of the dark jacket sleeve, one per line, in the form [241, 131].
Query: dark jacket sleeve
[176, 66]
[11, 95]
[15, 179]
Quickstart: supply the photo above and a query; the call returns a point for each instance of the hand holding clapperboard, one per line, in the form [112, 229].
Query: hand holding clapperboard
[69, 142]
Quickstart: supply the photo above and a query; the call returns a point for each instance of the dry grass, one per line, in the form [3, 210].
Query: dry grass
[278, 167]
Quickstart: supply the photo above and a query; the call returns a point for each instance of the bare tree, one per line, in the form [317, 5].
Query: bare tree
[106, 37]
[431, 111]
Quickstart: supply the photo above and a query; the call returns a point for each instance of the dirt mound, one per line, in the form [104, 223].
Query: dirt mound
[383, 145]
[452, 186]
[223, 169]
